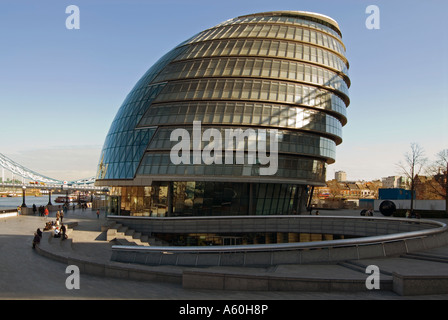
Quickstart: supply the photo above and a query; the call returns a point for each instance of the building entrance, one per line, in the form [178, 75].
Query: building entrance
[232, 241]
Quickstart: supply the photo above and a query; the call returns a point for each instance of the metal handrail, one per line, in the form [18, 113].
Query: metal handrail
[439, 228]
[285, 216]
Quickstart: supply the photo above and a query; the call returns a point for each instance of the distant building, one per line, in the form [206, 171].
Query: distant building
[429, 188]
[340, 176]
[348, 190]
[392, 182]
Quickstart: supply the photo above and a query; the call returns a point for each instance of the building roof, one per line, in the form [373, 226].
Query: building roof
[298, 14]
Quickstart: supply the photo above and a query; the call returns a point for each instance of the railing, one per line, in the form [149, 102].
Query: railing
[299, 252]
[354, 226]
[50, 186]
[16, 168]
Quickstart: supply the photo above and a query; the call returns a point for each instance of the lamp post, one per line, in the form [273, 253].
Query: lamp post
[49, 197]
[23, 195]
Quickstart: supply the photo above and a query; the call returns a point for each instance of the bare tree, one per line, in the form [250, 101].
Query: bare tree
[334, 188]
[414, 160]
[439, 173]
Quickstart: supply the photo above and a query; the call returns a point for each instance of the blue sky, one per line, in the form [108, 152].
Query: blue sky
[60, 89]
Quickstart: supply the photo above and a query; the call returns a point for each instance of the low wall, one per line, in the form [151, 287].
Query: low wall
[215, 280]
[111, 269]
[273, 254]
[27, 211]
[386, 237]
[406, 285]
[58, 207]
[8, 213]
[355, 226]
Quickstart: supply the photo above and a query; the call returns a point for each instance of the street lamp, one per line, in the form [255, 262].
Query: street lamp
[23, 195]
[49, 197]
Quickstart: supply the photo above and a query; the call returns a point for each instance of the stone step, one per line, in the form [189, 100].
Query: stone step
[137, 235]
[352, 266]
[111, 232]
[122, 229]
[125, 235]
[56, 244]
[119, 231]
[124, 242]
[427, 257]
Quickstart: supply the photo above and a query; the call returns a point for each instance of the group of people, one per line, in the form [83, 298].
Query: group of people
[58, 229]
[43, 211]
[59, 215]
[60, 232]
[365, 212]
[412, 215]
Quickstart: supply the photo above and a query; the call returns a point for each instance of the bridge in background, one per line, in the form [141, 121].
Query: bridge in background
[34, 180]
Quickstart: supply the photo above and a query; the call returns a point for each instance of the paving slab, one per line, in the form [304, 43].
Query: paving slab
[407, 267]
[436, 252]
[324, 271]
[26, 275]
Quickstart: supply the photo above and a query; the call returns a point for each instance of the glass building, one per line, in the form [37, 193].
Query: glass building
[282, 75]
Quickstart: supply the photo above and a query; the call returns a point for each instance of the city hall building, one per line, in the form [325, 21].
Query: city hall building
[240, 119]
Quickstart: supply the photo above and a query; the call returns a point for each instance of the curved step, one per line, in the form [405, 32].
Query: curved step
[126, 235]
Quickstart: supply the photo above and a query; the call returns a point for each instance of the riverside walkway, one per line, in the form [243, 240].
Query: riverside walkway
[26, 274]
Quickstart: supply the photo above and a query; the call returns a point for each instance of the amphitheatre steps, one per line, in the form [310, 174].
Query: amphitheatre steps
[129, 237]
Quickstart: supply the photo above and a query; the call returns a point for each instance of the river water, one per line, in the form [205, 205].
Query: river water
[14, 202]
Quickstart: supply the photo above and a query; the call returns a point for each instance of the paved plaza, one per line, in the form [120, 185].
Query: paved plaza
[24, 274]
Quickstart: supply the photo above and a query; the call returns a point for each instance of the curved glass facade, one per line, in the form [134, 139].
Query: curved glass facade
[281, 74]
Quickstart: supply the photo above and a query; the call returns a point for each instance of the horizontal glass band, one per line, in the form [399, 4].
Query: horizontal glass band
[291, 167]
[265, 48]
[300, 143]
[242, 112]
[286, 32]
[251, 91]
[282, 20]
[261, 115]
[254, 68]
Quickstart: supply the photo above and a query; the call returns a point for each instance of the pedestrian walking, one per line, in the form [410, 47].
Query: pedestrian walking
[34, 209]
[46, 212]
[62, 215]
[36, 240]
[98, 213]
[63, 230]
